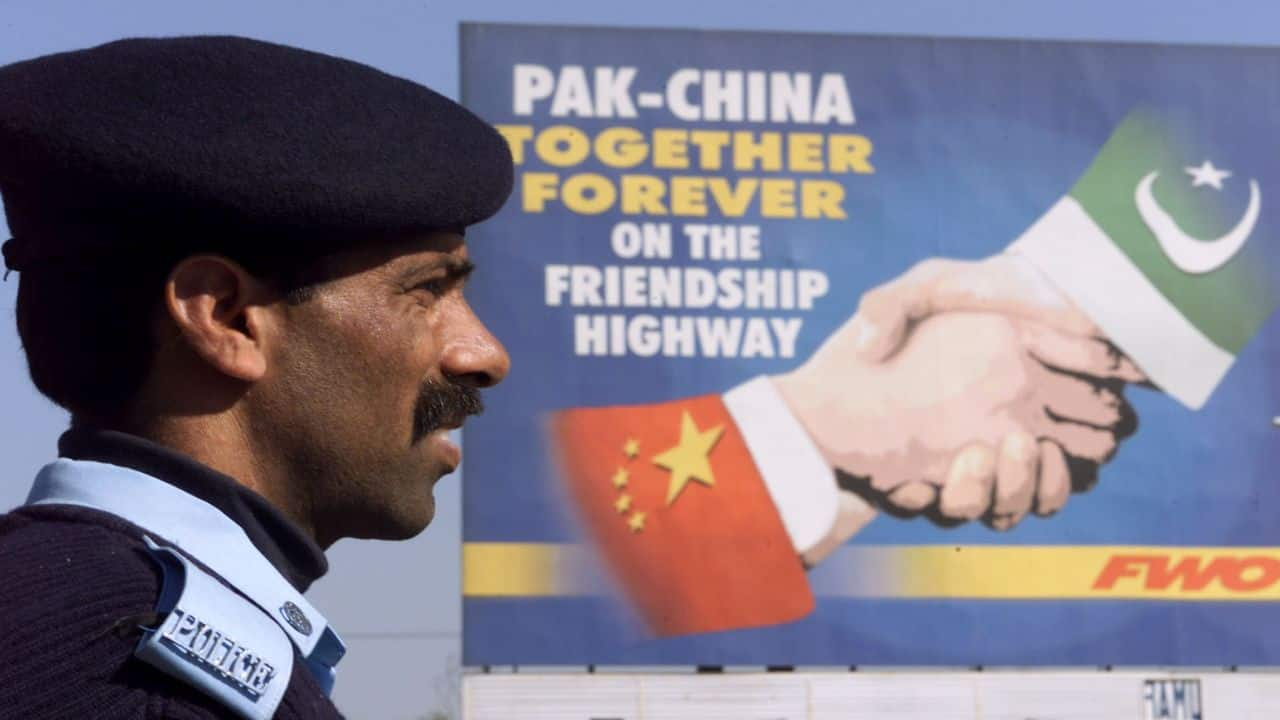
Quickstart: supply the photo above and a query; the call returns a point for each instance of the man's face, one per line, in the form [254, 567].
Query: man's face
[366, 380]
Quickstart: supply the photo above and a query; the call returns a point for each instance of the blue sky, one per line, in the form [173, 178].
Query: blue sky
[398, 603]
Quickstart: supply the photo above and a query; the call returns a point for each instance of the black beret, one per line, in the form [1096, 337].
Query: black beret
[159, 144]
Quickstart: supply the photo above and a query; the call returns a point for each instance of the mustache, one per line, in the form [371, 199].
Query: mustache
[443, 403]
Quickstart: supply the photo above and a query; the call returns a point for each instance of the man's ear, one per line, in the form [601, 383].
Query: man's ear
[218, 308]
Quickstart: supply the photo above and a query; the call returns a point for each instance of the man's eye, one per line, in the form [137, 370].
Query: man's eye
[436, 287]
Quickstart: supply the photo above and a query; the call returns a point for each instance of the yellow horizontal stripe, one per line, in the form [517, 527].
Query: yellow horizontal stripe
[523, 570]
[1055, 572]
[922, 571]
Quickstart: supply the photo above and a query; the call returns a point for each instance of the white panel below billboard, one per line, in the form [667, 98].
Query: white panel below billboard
[991, 695]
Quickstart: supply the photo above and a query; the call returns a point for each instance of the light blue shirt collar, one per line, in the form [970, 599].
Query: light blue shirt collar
[201, 531]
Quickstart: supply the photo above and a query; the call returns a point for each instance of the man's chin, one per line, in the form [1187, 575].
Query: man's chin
[403, 522]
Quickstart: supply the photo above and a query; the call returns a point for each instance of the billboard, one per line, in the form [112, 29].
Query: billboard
[874, 350]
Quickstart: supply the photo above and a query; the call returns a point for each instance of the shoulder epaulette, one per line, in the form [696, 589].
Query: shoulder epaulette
[216, 641]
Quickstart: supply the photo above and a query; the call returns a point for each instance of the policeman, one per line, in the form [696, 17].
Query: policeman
[240, 269]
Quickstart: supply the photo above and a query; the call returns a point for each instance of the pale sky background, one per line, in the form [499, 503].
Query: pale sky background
[397, 604]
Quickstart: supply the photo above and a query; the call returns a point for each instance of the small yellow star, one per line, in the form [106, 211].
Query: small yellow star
[688, 460]
[631, 449]
[622, 504]
[620, 478]
[636, 522]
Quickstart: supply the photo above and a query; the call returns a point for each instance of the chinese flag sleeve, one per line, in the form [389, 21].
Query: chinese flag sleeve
[679, 511]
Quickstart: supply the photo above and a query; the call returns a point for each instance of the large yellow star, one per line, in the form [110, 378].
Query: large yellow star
[688, 459]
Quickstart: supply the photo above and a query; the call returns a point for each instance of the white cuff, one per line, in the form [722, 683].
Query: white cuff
[1078, 257]
[802, 485]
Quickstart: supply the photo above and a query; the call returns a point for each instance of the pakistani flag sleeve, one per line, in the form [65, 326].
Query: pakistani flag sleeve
[1164, 243]
[705, 509]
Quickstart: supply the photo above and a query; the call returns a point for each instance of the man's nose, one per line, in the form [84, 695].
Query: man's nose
[472, 355]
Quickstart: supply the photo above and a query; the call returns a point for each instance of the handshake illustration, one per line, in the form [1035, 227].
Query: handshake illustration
[963, 391]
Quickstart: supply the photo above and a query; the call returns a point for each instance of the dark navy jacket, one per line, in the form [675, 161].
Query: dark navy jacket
[78, 586]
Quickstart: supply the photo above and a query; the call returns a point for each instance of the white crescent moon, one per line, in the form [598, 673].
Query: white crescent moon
[1188, 254]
